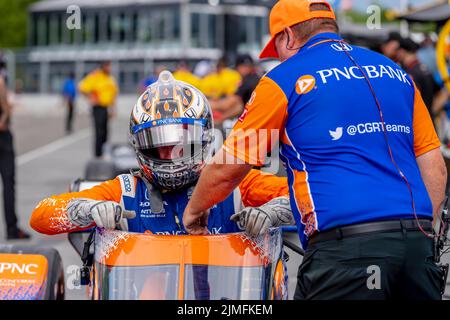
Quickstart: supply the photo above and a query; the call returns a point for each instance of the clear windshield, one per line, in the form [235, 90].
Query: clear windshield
[130, 266]
[225, 283]
[138, 283]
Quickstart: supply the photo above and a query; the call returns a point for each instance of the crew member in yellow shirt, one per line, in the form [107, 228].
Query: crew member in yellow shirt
[183, 73]
[231, 105]
[222, 83]
[101, 89]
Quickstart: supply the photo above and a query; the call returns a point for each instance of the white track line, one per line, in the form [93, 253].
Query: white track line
[52, 147]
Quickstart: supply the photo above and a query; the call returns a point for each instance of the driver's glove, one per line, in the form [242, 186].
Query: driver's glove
[106, 214]
[257, 221]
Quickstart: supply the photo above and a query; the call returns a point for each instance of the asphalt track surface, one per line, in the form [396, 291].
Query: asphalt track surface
[48, 161]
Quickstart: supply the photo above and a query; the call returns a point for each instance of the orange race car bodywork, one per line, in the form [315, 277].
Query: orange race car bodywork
[145, 266]
[30, 273]
[22, 276]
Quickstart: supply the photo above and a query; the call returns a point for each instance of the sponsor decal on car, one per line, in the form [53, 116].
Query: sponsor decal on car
[22, 277]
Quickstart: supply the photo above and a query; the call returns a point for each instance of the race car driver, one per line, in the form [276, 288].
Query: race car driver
[171, 130]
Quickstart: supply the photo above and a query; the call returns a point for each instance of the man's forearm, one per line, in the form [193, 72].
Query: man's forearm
[234, 111]
[216, 183]
[434, 174]
[225, 104]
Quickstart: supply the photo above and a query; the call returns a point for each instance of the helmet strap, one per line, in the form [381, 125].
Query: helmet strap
[156, 200]
[155, 196]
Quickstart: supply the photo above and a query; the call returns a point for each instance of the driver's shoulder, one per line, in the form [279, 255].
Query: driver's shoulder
[128, 184]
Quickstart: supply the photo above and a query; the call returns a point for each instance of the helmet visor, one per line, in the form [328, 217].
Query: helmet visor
[171, 141]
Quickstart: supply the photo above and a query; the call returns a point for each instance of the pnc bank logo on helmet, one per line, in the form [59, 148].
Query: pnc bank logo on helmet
[305, 84]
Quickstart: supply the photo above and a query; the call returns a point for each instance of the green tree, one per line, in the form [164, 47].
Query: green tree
[13, 23]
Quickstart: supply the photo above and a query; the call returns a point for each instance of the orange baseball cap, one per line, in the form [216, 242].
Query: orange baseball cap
[286, 13]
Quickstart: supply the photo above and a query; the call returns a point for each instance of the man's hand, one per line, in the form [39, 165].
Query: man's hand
[257, 221]
[196, 223]
[105, 214]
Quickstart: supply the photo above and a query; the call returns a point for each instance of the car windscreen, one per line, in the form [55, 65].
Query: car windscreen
[138, 283]
[147, 266]
[225, 283]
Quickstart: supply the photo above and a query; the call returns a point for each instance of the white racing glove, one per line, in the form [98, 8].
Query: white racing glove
[106, 214]
[257, 221]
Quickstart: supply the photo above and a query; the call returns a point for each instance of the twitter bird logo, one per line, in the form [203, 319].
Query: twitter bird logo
[337, 134]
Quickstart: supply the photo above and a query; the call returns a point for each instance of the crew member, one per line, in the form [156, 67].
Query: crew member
[419, 72]
[183, 73]
[232, 105]
[101, 89]
[391, 45]
[7, 162]
[221, 83]
[69, 93]
[364, 167]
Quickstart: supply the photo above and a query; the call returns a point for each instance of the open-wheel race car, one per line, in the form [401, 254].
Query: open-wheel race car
[119, 265]
[143, 266]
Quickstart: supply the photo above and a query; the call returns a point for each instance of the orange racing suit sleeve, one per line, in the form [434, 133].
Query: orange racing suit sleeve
[264, 115]
[425, 137]
[258, 188]
[50, 215]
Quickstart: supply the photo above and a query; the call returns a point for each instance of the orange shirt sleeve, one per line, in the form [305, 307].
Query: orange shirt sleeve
[260, 125]
[258, 188]
[50, 215]
[425, 137]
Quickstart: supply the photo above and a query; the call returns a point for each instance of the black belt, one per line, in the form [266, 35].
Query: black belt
[370, 227]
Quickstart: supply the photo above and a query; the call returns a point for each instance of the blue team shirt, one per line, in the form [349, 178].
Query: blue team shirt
[339, 169]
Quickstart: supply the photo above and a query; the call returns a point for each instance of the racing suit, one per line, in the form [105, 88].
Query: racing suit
[50, 216]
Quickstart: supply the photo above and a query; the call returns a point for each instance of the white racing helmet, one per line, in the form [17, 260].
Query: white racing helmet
[171, 130]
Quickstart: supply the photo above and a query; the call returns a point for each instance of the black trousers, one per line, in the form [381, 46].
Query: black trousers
[7, 172]
[69, 118]
[101, 128]
[391, 265]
